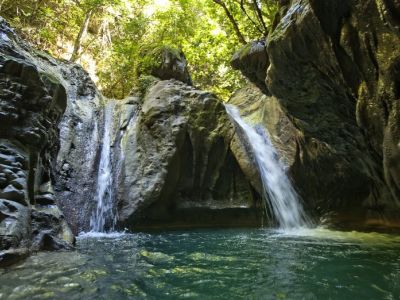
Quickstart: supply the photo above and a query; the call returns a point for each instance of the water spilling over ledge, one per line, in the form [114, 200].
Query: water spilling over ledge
[104, 213]
[283, 203]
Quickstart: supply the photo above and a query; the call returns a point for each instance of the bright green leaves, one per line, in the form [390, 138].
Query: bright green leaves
[121, 32]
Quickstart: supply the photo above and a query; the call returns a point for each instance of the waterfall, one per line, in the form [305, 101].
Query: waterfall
[103, 216]
[278, 192]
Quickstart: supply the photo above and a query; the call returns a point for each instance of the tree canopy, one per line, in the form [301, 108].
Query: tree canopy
[108, 37]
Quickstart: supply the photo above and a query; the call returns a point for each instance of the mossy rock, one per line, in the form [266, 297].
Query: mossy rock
[166, 63]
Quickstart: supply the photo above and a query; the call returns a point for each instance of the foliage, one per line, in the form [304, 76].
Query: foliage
[118, 34]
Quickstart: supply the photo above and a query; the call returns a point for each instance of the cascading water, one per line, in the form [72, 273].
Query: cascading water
[103, 216]
[279, 194]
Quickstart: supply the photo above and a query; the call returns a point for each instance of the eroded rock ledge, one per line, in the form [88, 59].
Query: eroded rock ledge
[32, 102]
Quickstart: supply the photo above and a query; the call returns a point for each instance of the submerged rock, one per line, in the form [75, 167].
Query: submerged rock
[12, 256]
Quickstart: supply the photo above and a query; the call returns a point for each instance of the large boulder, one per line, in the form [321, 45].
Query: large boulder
[165, 63]
[179, 170]
[169, 158]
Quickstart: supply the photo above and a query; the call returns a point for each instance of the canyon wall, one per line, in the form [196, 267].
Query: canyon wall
[332, 76]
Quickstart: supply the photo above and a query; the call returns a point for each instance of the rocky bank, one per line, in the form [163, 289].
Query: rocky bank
[171, 163]
[32, 102]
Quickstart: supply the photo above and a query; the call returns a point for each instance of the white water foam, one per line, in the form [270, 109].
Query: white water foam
[111, 235]
[103, 216]
[278, 192]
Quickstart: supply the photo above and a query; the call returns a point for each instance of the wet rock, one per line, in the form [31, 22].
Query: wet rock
[155, 143]
[329, 80]
[14, 172]
[45, 199]
[49, 229]
[333, 75]
[258, 108]
[178, 169]
[32, 101]
[45, 241]
[14, 225]
[13, 256]
[18, 183]
[12, 193]
[81, 131]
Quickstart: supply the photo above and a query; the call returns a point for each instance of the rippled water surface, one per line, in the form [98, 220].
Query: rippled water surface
[214, 264]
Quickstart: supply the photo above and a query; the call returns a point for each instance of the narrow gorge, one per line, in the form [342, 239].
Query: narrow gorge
[310, 145]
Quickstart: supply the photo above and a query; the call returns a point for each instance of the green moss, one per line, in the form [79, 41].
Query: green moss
[245, 50]
[153, 58]
[143, 84]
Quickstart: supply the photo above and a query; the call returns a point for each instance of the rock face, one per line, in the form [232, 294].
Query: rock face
[326, 87]
[258, 108]
[178, 168]
[170, 161]
[32, 102]
[81, 131]
[333, 74]
[252, 61]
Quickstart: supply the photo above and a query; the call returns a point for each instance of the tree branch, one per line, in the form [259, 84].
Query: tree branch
[248, 16]
[232, 20]
[82, 32]
[260, 17]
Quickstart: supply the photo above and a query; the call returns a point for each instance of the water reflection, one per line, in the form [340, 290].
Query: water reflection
[220, 264]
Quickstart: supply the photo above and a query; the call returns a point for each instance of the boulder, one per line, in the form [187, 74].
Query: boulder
[179, 170]
[14, 225]
[166, 63]
[12, 256]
